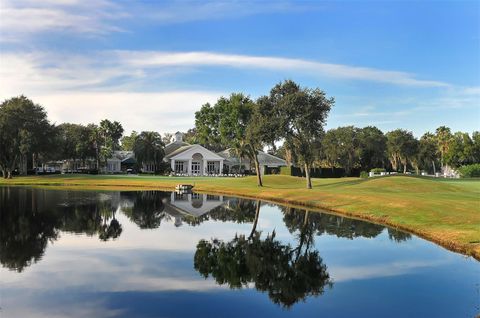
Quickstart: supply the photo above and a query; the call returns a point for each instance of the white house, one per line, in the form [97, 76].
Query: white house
[192, 160]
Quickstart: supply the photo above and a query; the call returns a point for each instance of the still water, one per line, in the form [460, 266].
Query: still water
[162, 254]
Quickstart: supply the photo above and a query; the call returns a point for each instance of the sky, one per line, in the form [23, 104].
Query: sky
[152, 64]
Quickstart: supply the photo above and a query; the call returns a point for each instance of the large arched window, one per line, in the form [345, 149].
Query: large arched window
[197, 159]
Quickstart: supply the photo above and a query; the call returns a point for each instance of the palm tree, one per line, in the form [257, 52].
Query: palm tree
[148, 148]
[444, 138]
[240, 150]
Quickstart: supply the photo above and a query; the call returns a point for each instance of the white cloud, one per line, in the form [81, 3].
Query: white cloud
[398, 268]
[26, 17]
[149, 59]
[128, 70]
[23, 18]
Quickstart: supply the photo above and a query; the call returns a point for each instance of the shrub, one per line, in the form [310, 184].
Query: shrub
[378, 170]
[470, 171]
[364, 174]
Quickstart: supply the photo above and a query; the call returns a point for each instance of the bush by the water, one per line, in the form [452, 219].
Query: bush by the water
[470, 171]
[377, 170]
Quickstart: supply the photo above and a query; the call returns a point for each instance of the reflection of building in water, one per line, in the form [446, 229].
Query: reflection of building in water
[184, 205]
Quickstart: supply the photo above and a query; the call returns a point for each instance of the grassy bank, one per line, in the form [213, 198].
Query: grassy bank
[444, 211]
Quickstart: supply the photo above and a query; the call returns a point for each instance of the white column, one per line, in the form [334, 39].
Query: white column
[189, 168]
[221, 166]
[172, 164]
[204, 166]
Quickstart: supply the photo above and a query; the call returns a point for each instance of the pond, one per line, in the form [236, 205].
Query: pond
[161, 254]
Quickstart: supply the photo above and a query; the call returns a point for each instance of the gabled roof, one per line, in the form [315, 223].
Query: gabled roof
[178, 150]
[270, 160]
[129, 161]
[191, 150]
[265, 159]
[122, 155]
[173, 146]
[228, 156]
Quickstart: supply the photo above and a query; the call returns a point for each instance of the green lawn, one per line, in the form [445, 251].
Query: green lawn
[445, 211]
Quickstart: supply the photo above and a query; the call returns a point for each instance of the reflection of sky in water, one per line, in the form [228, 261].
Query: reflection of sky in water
[150, 273]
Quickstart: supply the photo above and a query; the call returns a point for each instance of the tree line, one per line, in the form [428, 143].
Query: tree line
[289, 114]
[368, 148]
[27, 138]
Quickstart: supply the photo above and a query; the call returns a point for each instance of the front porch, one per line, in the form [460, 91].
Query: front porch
[197, 167]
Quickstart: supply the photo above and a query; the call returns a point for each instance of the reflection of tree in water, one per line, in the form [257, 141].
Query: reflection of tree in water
[398, 236]
[148, 208]
[32, 217]
[24, 229]
[335, 225]
[287, 274]
[109, 229]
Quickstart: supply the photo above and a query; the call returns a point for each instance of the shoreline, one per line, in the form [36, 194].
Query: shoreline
[204, 186]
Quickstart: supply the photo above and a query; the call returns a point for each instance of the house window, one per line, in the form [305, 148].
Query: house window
[195, 167]
[179, 167]
[211, 167]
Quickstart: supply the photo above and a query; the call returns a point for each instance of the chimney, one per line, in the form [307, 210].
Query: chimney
[178, 136]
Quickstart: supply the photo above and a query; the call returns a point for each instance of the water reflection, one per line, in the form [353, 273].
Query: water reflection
[30, 218]
[288, 274]
[148, 253]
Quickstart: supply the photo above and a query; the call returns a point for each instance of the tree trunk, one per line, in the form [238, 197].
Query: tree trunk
[433, 164]
[302, 236]
[23, 165]
[259, 173]
[305, 220]
[441, 159]
[34, 163]
[255, 222]
[405, 167]
[307, 175]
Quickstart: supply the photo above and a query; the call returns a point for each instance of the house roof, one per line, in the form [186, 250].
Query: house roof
[174, 146]
[270, 160]
[178, 150]
[120, 154]
[265, 159]
[188, 151]
[228, 156]
[129, 160]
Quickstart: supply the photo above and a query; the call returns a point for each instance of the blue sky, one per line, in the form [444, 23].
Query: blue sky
[152, 64]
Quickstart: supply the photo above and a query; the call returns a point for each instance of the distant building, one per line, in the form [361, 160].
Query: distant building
[120, 162]
[192, 160]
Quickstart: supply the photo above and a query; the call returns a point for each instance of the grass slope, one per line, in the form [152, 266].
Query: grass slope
[444, 211]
